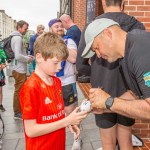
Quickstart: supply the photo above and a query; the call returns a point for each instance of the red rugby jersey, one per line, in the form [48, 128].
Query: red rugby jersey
[45, 104]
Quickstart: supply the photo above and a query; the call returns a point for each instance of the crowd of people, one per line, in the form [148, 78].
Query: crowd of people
[117, 47]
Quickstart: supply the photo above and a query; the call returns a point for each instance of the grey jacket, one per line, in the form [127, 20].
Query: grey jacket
[21, 58]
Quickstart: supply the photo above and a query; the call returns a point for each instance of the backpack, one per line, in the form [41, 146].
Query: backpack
[5, 45]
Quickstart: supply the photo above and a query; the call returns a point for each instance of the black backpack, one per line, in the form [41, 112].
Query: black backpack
[5, 45]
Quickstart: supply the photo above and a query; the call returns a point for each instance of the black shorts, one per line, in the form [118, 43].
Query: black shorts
[108, 120]
[70, 94]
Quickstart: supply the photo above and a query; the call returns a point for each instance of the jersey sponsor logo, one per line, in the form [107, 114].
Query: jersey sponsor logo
[59, 106]
[47, 101]
[146, 78]
[54, 116]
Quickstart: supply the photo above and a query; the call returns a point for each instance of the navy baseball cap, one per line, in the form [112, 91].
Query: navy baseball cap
[52, 21]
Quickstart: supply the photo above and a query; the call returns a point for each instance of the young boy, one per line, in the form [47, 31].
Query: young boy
[42, 100]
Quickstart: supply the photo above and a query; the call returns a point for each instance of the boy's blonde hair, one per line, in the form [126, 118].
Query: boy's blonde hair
[50, 45]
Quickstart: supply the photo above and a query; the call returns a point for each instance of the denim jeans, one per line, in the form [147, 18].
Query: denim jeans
[20, 79]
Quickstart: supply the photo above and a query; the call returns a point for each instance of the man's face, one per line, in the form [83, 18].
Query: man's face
[23, 29]
[40, 31]
[57, 28]
[103, 47]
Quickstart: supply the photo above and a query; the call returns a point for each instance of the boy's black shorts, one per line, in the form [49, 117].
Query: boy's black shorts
[108, 120]
[70, 94]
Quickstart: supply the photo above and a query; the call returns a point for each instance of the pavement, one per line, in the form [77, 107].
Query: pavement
[13, 138]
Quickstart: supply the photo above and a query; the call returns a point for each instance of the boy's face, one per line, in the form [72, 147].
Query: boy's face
[50, 66]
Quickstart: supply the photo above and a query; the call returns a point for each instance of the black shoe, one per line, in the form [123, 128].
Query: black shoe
[2, 109]
[18, 116]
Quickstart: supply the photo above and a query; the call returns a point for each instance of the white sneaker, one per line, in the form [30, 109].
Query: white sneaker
[100, 148]
[77, 144]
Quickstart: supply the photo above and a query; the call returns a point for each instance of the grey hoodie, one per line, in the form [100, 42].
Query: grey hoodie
[21, 58]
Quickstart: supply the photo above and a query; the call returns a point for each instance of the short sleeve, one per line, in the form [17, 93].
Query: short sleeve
[140, 67]
[71, 44]
[28, 101]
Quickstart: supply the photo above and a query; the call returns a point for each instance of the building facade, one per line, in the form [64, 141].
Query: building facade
[85, 11]
[7, 25]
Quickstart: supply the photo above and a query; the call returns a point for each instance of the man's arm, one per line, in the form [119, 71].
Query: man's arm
[126, 105]
[139, 109]
[17, 47]
[72, 48]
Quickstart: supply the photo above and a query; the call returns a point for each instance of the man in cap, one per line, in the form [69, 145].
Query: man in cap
[105, 38]
[112, 126]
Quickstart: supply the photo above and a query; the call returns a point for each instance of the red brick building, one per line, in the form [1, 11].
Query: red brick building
[80, 8]
[83, 11]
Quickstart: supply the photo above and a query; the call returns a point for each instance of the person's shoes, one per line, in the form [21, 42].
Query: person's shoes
[18, 116]
[100, 148]
[2, 109]
[77, 144]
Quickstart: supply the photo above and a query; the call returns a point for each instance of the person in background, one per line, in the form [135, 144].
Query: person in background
[67, 74]
[2, 83]
[21, 59]
[107, 75]
[42, 99]
[40, 29]
[71, 27]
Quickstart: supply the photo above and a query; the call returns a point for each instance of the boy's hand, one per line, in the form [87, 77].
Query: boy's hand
[76, 117]
[74, 129]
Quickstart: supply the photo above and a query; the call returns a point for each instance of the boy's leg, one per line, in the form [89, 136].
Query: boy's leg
[20, 78]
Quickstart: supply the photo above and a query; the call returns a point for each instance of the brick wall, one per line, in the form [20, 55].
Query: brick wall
[141, 10]
[79, 13]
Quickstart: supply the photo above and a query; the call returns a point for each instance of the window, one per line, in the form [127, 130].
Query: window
[90, 11]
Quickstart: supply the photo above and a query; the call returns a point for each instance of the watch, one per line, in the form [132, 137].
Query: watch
[109, 102]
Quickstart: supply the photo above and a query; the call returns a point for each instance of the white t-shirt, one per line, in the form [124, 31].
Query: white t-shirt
[70, 69]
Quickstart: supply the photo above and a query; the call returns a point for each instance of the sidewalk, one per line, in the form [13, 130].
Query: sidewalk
[14, 137]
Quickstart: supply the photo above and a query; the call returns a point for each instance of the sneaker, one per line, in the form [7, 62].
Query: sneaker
[18, 116]
[100, 148]
[77, 144]
[2, 109]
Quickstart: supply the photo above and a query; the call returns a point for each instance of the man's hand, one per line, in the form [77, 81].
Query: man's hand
[98, 98]
[31, 58]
